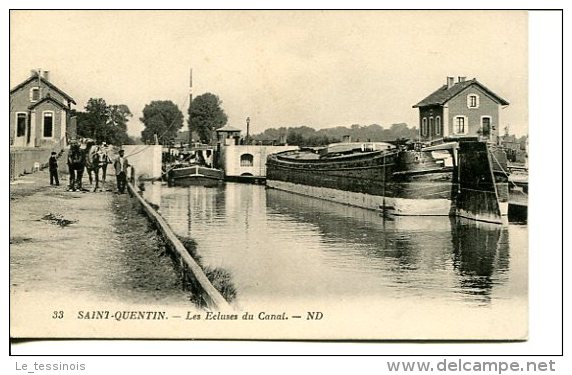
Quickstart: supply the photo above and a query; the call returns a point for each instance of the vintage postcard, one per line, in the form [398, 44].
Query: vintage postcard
[283, 175]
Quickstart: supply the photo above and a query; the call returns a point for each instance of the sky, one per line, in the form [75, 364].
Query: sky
[280, 68]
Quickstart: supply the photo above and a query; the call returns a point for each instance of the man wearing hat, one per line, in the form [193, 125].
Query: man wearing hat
[121, 164]
[104, 159]
[53, 164]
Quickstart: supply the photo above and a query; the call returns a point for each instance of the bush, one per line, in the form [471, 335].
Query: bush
[220, 278]
[222, 281]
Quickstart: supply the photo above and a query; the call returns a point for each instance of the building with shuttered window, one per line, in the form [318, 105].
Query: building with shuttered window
[462, 108]
[39, 114]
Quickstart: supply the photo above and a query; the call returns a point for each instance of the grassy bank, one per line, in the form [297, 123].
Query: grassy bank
[146, 264]
[219, 277]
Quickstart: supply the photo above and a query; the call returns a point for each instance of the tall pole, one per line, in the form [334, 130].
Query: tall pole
[190, 104]
[248, 130]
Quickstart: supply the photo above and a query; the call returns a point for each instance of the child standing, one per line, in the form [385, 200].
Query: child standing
[53, 163]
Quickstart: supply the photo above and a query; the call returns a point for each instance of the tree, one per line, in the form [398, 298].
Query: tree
[206, 115]
[91, 122]
[119, 115]
[104, 123]
[163, 118]
[295, 138]
[116, 126]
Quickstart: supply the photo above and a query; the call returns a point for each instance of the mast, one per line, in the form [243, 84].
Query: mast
[190, 104]
[248, 130]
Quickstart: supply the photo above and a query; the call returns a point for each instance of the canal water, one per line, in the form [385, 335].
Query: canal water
[285, 247]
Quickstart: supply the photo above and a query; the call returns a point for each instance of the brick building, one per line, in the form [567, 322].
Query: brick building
[462, 108]
[39, 114]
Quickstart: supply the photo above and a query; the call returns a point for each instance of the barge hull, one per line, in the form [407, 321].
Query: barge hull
[195, 180]
[195, 175]
[392, 205]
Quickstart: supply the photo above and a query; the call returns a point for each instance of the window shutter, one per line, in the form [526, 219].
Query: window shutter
[472, 101]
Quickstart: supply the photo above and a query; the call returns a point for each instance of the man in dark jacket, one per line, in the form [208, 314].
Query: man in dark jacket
[53, 164]
[121, 165]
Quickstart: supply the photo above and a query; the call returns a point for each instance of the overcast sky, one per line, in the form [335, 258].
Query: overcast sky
[280, 68]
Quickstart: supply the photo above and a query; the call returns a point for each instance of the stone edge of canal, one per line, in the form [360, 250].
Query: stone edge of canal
[193, 275]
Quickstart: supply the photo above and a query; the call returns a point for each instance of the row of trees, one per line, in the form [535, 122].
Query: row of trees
[104, 122]
[164, 119]
[306, 136]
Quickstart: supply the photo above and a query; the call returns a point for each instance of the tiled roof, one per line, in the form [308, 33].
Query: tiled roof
[44, 82]
[443, 94]
[48, 98]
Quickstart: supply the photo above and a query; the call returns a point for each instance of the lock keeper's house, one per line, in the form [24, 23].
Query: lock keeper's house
[40, 122]
[462, 108]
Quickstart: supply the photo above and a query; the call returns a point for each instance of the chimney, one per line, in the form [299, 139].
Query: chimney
[462, 79]
[47, 75]
[450, 82]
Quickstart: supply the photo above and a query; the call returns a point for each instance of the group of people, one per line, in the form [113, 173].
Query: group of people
[92, 158]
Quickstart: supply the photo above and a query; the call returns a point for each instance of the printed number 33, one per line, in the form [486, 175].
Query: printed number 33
[58, 315]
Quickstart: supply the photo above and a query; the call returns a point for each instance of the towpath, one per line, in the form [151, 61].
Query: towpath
[84, 248]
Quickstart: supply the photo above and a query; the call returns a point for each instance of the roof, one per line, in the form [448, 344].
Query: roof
[45, 99]
[443, 94]
[47, 83]
[228, 128]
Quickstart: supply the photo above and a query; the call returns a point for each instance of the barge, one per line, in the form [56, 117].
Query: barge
[460, 177]
[188, 175]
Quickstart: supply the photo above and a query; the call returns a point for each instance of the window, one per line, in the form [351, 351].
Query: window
[48, 124]
[246, 160]
[486, 126]
[431, 125]
[21, 120]
[473, 101]
[424, 127]
[438, 125]
[34, 94]
[460, 124]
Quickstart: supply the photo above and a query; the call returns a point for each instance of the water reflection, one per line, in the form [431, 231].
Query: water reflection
[182, 206]
[478, 252]
[277, 244]
[480, 256]
[153, 192]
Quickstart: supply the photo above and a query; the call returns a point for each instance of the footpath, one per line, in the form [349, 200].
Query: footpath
[50, 228]
[82, 248]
